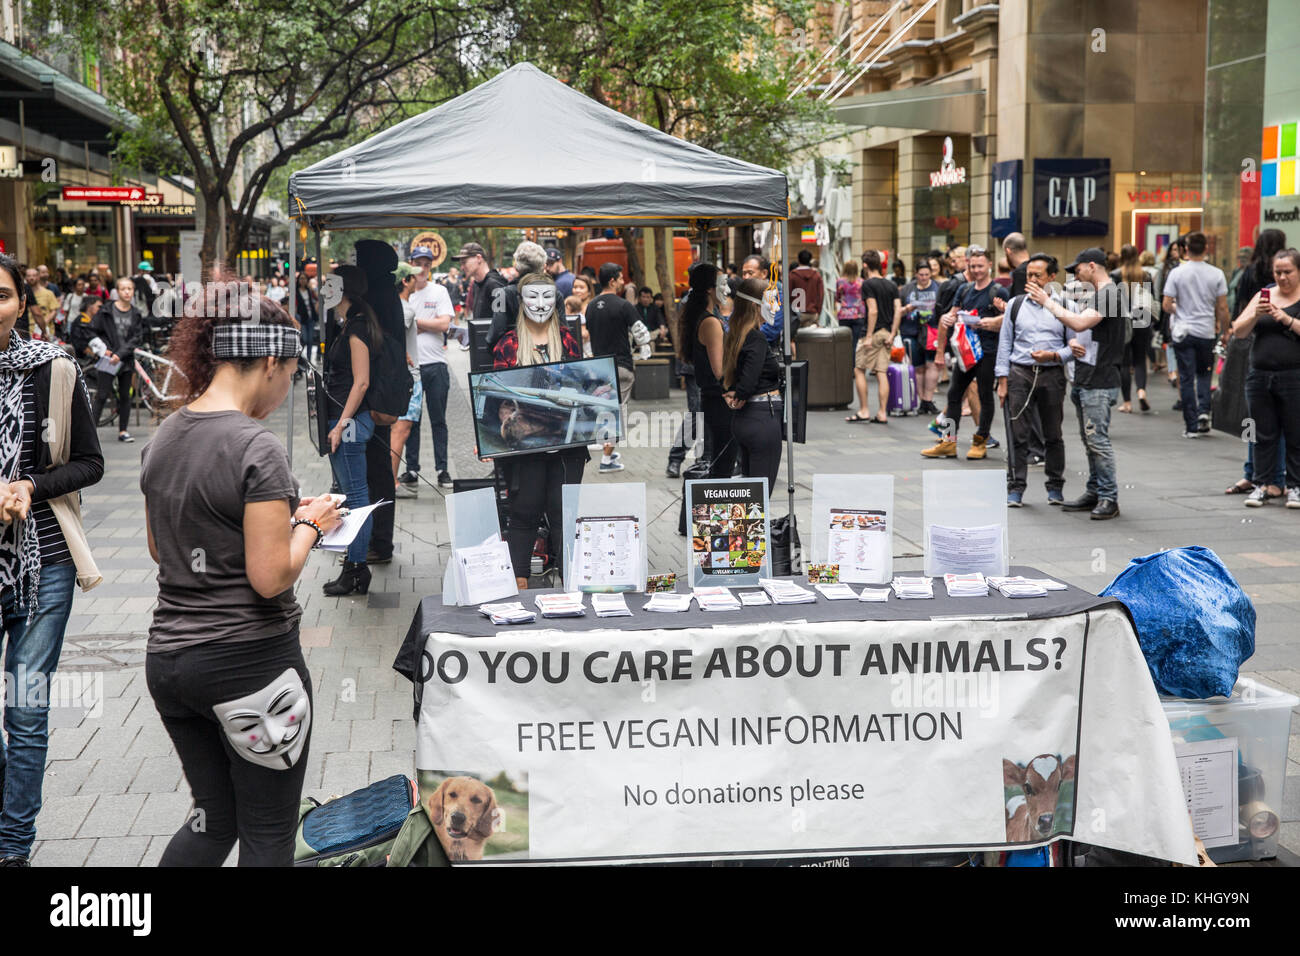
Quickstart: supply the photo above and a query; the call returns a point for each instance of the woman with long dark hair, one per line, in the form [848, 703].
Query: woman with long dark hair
[752, 379]
[347, 379]
[230, 535]
[1174, 254]
[536, 481]
[1273, 383]
[1138, 285]
[49, 451]
[701, 344]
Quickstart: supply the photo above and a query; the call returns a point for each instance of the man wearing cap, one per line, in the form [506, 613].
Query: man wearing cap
[484, 280]
[433, 315]
[1096, 373]
[146, 289]
[556, 269]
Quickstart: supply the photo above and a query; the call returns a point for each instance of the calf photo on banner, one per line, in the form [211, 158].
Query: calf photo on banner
[786, 740]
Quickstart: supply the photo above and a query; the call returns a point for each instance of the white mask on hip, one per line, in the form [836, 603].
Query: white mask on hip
[269, 726]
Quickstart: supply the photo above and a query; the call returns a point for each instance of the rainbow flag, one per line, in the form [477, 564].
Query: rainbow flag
[808, 234]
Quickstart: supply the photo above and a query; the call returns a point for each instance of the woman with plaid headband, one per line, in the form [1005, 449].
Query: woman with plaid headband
[231, 536]
[49, 451]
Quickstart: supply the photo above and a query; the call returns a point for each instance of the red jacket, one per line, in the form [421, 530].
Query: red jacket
[814, 289]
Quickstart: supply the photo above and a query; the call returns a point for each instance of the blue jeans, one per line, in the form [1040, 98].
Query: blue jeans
[1195, 357]
[31, 655]
[1093, 406]
[1248, 470]
[349, 465]
[435, 378]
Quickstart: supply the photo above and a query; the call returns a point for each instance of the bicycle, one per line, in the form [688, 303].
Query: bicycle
[157, 397]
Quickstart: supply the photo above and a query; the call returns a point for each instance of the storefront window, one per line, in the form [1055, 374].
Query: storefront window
[941, 218]
[1154, 208]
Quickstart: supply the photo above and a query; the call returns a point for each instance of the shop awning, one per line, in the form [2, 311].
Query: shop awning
[950, 106]
[523, 149]
[55, 107]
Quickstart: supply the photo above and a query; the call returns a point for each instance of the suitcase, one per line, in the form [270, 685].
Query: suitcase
[902, 389]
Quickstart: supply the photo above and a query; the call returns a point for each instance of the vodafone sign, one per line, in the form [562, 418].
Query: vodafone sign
[103, 193]
[949, 174]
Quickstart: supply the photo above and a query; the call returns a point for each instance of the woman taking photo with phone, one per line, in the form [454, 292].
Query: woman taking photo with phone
[537, 480]
[49, 446]
[1273, 383]
[231, 537]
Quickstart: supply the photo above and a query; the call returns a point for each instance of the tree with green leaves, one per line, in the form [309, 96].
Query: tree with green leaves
[716, 74]
[230, 91]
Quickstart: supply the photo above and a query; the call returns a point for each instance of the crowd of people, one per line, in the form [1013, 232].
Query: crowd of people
[1113, 321]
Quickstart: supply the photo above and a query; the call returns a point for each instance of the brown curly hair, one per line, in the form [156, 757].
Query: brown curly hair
[191, 341]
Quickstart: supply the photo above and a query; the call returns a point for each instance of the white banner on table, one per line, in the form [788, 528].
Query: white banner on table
[791, 740]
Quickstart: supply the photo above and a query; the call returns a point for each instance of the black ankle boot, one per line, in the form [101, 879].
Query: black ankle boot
[355, 577]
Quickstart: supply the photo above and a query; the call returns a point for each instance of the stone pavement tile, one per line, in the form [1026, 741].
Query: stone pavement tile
[379, 679]
[361, 656]
[345, 772]
[330, 736]
[161, 814]
[114, 712]
[61, 817]
[118, 851]
[315, 636]
[115, 682]
[63, 778]
[1290, 809]
[370, 735]
[1271, 560]
[157, 775]
[52, 853]
[154, 853]
[151, 741]
[67, 743]
[67, 717]
[385, 763]
[111, 775]
[395, 704]
[112, 815]
[109, 742]
[361, 708]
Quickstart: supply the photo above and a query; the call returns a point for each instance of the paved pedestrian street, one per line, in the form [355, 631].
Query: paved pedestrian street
[114, 791]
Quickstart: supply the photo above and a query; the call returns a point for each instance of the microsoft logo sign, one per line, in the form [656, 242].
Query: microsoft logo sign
[1278, 167]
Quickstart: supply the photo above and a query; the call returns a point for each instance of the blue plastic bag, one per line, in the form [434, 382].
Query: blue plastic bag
[1195, 624]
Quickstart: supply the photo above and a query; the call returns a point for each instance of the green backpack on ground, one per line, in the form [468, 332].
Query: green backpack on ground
[355, 830]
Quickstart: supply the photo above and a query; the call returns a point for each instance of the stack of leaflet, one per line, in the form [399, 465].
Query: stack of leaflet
[874, 594]
[836, 592]
[561, 605]
[510, 613]
[754, 598]
[610, 605]
[668, 601]
[786, 592]
[966, 585]
[1018, 587]
[716, 599]
[909, 589]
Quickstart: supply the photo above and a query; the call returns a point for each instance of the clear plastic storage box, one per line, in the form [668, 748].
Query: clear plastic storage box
[1259, 717]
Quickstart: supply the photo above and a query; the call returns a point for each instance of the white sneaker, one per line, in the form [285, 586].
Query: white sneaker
[1293, 497]
[1258, 498]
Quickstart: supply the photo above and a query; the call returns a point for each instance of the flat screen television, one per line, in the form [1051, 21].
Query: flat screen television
[532, 408]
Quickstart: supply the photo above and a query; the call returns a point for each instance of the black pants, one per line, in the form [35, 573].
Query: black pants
[1046, 398]
[757, 432]
[104, 389]
[686, 437]
[1135, 362]
[536, 489]
[1274, 402]
[982, 376]
[379, 482]
[717, 435]
[234, 797]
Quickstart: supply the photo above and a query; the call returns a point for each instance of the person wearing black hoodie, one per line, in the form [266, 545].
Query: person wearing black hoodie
[121, 328]
[484, 283]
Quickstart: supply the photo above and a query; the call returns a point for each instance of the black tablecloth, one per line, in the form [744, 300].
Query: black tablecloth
[432, 615]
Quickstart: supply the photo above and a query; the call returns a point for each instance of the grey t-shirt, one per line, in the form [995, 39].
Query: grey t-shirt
[1196, 285]
[197, 474]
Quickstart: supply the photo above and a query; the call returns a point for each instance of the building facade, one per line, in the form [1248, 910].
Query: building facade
[1074, 123]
